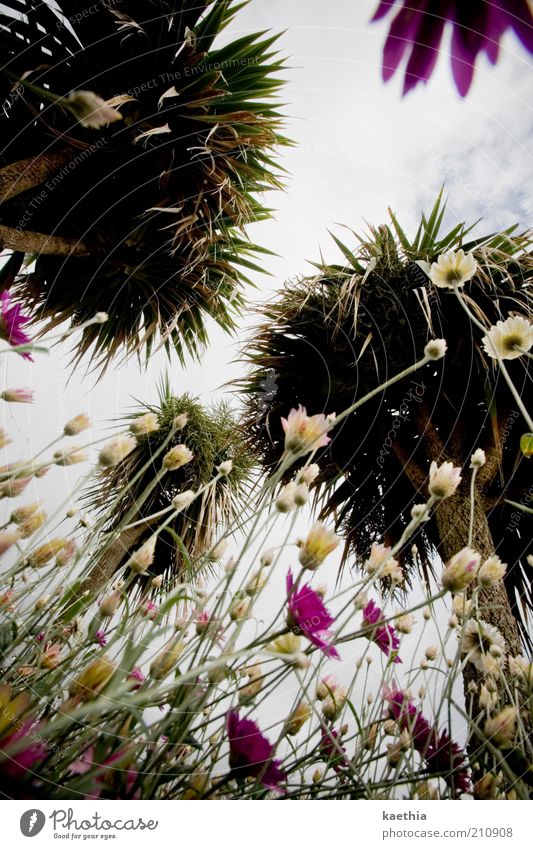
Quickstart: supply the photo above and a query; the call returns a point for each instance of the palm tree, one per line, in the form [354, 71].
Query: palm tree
[142, 218]
[134, 489]
[332, 337]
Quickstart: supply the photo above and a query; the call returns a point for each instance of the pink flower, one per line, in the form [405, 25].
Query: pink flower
[23, 759]
[331, 749]
[384, 636]
[136, 675]
[18, 396]
[11, 323]
[148, 609]
[308, 616]
[477, 25]
[442, 756]
[100, 638]
[113, 780]
[303, 432]
[250, 752]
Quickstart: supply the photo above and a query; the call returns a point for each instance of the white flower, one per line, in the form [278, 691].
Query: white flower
[90, 109]
[443, 479]
[509, 339]
[116, 450]
[318, 544]
[435, 349]
[478, 459]
[147, 423]
[305, 433]
[492, 571]
[183, 499]
[177, 457]
[404, 623]
[460, 570]
[477, 640]
[454, 268]
[379, 556]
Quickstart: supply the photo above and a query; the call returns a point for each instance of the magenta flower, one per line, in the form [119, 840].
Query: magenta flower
[308, 616]
[442, 756]
[11, 323]
[250, 753]
[113, 780]
[18, 763]
[100, 638]
[329, 749]
[478, 25]
[137, 676]
[384, 636]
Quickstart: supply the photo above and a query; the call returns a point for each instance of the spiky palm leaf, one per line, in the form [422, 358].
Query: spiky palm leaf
[124, 493]
[143, 219]
[331, 338]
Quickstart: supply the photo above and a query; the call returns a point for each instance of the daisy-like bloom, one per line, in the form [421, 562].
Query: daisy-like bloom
[435, 349]
[480, 641]
[460, 570]
[501, 729]
[147, 423]
[177, 457]
[17, 396]
[441, 755]
[509, 339]
[305, 433]
[384, 636]
[116, 450]
[452, 269]
[16, 726]
[250, 753]
[307, 615]
[443, 479]
[492, 571]
[317, 545]
[477, 26]
[297, 719]
[11, 323]
[90, 110]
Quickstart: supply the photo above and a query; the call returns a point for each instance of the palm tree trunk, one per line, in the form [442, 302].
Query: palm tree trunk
[453, 519]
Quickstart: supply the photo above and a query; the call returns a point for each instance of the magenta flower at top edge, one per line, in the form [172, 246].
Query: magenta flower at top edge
[478, 25]
[384, 636]
[12, 322]
[308, 616]
[250, 752]
[442, 756]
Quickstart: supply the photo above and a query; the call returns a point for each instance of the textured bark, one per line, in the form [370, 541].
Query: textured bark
[41, 243]
[453, 518]
[108, 564]
[28, 173]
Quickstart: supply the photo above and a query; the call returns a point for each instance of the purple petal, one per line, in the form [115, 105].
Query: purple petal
[402, 34]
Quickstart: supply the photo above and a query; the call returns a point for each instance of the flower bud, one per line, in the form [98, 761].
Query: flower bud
[144, 424]
[17, 396]
[239, 609]
[180, 421]
[285, 499]
[500, 729]
[435, 349]
[92, 680]
[491, 572]
[116, 450]
[333, 704]
[70, 456]
[183, 500]
[297, 719]
[110, 604]
[308, 474]
[77, 425]
[443, 479]
[256, 583]
[143, 558]
[42, 555]
[218, 551]
[7, 539]
[460, 570]
[166, 660]
[318, 544]
[478, 459]
[225, 468]
[176, 458]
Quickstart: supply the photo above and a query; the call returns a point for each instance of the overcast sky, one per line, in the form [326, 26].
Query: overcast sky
[359, 148]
